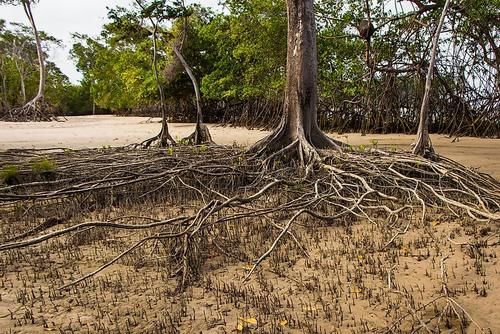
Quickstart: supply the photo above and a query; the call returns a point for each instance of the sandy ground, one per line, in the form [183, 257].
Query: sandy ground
[98, 131]
[351, 282]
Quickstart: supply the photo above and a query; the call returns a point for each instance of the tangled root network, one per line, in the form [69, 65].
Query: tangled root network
[188, 205]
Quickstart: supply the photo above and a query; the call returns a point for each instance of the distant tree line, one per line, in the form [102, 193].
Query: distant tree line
[370, 80]
[19, 77]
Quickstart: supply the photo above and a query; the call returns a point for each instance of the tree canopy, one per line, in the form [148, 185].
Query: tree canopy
[239, 58]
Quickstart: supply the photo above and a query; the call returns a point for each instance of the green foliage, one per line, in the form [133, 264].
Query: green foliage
[341, 69]
[119, 67]
[239, 57]
[118, 61]
[250, 48]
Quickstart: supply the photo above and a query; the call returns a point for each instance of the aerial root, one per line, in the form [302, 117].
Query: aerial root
[299, 151]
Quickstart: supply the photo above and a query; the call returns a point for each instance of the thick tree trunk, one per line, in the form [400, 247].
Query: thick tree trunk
[299, 122]
[201, 134]
[423, 144]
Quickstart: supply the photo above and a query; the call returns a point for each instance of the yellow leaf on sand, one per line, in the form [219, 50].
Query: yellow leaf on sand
[283, 323]
[248, 266]
[309, 308]
[360, 257]
[355, 290]
[435, 223]
[239, 326]
[251, 321]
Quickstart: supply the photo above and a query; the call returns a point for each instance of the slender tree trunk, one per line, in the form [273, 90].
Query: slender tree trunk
[5, 100]
[164, 134]
[199, 114]
[423, 144]
[23, 88]
[41, 62]
[17, 57]
[366, 122]
[299, 122]
[201, 134]
[20, 70]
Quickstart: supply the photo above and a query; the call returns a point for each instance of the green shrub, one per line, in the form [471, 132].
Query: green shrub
[44, 166]
[9, 174]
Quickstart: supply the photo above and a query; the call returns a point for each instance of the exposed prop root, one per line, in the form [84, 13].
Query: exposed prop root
[281, 146]
[163, 139]
[200, 136]
[37, 110]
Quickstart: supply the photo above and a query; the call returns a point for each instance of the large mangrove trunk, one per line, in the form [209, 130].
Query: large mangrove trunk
[299, 127]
